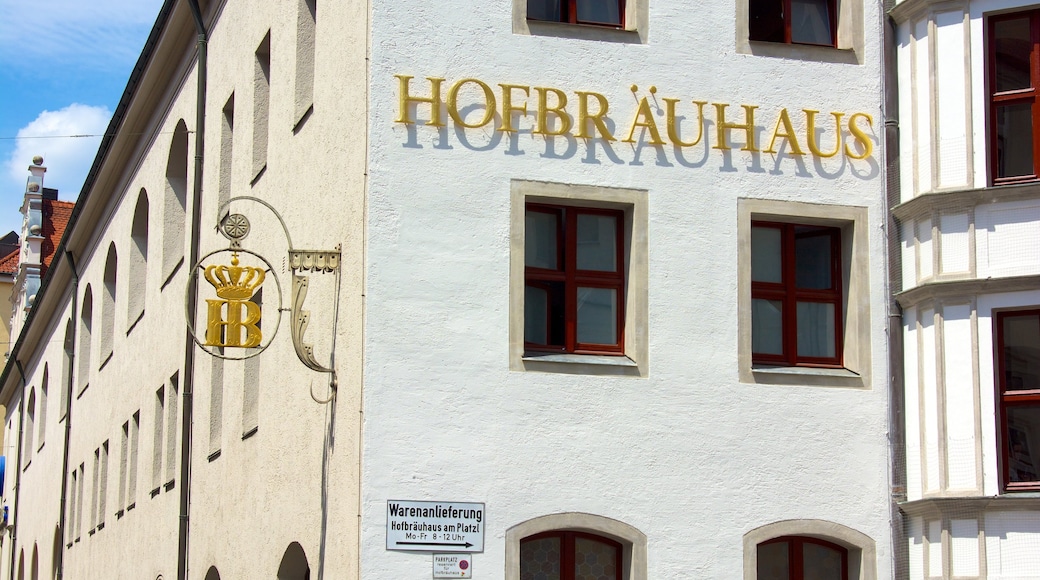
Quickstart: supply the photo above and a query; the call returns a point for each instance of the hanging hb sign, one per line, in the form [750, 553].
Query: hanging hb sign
[234, 304]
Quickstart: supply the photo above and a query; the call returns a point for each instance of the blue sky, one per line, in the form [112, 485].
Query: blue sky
[63, 67]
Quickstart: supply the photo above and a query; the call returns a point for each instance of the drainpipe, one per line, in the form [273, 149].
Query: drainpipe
[193, 258]
[59, 565]
[896, 419]
[18, 468]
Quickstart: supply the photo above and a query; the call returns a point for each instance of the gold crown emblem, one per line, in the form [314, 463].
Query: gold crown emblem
[234, 282]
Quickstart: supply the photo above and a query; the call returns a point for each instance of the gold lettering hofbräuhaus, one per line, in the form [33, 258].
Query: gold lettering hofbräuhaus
[592, 120]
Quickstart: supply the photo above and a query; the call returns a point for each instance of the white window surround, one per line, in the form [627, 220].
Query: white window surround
[850, 38]
[637, 19]
[633, 541]
[855, 292]
[636, 335]
[862, 551]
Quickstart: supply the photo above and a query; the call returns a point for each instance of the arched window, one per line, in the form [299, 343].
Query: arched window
[802, 557]
[809, 550]
[42, 416]
[575, 546]
[30, 423]
[294, 564]
[175, 202]
[108, 304]
[86, 322]
[34, 573]
[137, 272]
[212, 573]
[568, 555]
[21, 565]
[66, 368]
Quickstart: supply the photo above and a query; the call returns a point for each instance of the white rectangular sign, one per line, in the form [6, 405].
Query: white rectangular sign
[452, 566]
[434, 526]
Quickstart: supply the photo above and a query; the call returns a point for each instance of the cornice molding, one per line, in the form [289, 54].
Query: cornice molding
[945, 289]
[911, 9]
[938, 507]
[927, 203]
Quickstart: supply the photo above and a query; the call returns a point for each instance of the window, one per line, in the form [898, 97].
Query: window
[595, 12]
[575, 546]
[623, 21]
[812, 30]
[175, 203]
[1018, 348]
[578, 279]
[808, 549]
[795, 294]
[1013, 46]
[799, 558]
[569, 555]
[574, 273]
[803, 302]
[793, 21]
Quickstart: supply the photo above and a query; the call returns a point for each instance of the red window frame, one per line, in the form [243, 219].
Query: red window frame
[569, 15]
[1009, 398]
[795, 561]
[567, 550]
[572, 278]
[1013, 97]
[756, 7]
[787, 292]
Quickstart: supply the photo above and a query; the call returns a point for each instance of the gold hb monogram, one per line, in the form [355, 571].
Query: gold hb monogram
[235, 284]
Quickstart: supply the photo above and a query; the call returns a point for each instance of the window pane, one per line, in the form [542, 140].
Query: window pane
[1014, 140]
[812, 261]
[766, 20]
[811, 22]
[1021, 352]
[1023, 438]
[597, 243]
[815, 329]
[765, 255]
[767, 326]
[594, 560]
[820, 562]
[1013, 46]
[540, 240]
[540, 559]
[601, 11]
[773, 562]
[544, 313]
[543, 10]
[597, 315]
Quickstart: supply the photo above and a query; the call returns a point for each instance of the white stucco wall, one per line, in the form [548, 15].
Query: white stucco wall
[688, 455]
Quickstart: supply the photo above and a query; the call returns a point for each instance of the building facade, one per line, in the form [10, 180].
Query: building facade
[605, 280]
[969, 223]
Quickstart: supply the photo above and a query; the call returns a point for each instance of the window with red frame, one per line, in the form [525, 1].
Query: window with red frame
[1018, 361]
[802, 558]
[569, 556]
[574, 280]
[1013, 78]
[595, 12]
[793, 21]
[796, 299]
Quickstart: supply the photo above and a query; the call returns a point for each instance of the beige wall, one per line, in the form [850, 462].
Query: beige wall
[263, 490]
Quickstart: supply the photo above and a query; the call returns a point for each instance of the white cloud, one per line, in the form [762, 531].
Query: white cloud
[98, 33]
[67, 159]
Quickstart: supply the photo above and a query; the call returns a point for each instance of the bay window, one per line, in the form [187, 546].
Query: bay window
[1013, 51]
[1018, 362]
